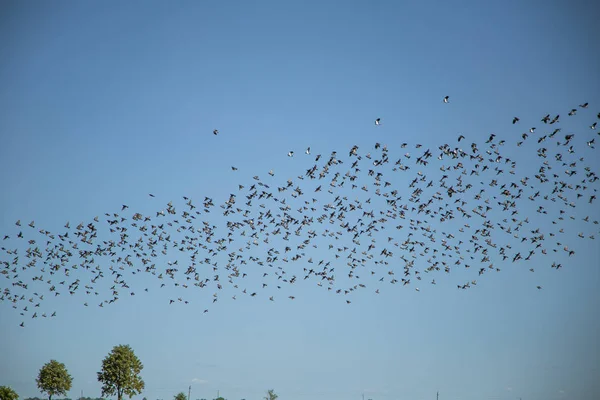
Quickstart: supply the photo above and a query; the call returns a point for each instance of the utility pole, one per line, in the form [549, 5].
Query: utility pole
[189, 392]
[437, 396]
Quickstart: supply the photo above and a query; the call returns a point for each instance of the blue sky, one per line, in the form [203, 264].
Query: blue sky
[105, 102]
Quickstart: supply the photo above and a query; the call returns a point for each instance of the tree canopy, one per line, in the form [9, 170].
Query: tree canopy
[7, 393]
[180, 396]
[54, 379]
[121, 373]
[271, 395]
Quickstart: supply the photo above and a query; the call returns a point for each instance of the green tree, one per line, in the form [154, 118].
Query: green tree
[7, 393]
[54, 379]
[180, 396]
[121, 373]
[271, 395]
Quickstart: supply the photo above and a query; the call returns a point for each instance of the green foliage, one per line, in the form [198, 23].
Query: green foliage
[180, 396]
[271, 395]
[67, 398]
[121, 373]
[7, 393]
[54, 379]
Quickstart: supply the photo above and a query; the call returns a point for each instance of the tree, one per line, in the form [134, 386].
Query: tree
[271, 395]
[121, 373]
[7, 393]
[53, 379]
[180, 396]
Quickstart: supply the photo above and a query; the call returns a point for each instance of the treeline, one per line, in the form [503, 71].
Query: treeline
[66, 398]
[54, 380]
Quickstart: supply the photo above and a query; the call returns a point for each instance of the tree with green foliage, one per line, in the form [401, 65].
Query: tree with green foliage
[271, 395]
[180, 396]
[54, 379]
[121, 373]
[6, 393]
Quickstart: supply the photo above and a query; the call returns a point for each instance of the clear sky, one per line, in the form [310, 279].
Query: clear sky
[102, 103]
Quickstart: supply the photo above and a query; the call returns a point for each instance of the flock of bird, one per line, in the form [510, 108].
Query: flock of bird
[350, 221]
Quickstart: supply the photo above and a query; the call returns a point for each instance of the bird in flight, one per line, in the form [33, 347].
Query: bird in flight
[446, 99]
[378, 121]
[216, 132]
